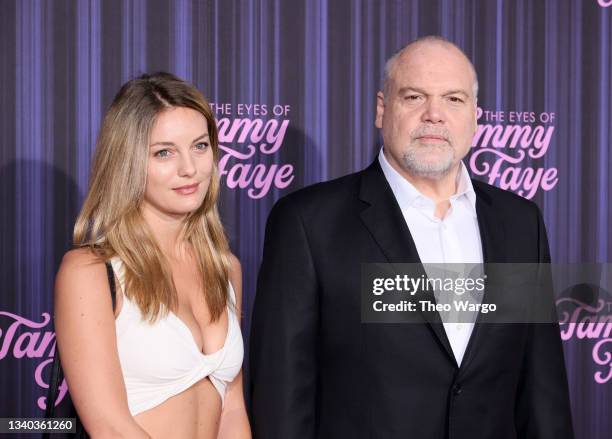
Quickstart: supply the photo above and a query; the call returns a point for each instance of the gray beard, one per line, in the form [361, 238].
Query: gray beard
[413, 163]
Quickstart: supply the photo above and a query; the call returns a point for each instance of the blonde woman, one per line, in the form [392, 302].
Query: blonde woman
[166, 362]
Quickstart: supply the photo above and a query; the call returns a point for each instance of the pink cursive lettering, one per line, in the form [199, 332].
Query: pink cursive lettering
[584, 321]
[240, 140]
[31, 344]
[500, 151]
[603, 359]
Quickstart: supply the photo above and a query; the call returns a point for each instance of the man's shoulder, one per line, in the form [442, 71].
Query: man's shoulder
[506, 205]
[331, 188]
[503, 199]
[324, 196]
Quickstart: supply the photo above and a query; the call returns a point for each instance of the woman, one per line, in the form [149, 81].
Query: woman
[166, 362]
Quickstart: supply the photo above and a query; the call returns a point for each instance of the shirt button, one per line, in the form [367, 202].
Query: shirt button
[457, 389]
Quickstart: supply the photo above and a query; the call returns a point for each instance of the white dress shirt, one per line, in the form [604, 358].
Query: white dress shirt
[453, 239]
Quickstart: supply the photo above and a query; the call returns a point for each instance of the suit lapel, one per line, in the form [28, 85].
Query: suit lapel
[384, 220]
[492, 233]
[492, 236]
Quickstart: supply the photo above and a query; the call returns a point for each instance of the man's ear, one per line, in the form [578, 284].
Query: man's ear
[380, 109]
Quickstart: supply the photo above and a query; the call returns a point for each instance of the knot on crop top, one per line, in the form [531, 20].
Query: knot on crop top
[161, 359]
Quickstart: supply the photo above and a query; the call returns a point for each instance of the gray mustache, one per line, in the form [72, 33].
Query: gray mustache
[420, 132]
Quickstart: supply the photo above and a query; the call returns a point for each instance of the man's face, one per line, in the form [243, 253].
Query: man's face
[428, 117]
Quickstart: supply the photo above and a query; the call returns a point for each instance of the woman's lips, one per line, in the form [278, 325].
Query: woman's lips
[187, 190]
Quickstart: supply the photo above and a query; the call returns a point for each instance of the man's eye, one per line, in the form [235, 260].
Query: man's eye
[201, 146]
[455, 100]
[412, 97]
[162, 153]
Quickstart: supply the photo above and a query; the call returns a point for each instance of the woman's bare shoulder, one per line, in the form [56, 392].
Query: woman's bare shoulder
[81, 270]
[235, 276]
[81, 258]
[234, 264]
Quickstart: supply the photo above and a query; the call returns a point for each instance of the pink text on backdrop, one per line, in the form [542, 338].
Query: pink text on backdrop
[586, 322]
[31, 344]
[500, 152]
[240, 139]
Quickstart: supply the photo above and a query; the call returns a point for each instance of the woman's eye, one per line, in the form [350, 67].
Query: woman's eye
[201, 146]
[162, 153]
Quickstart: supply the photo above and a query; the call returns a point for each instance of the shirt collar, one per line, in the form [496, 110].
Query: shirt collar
[407, 195]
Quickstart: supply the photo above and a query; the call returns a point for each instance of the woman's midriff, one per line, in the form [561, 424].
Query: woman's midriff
[193, 413]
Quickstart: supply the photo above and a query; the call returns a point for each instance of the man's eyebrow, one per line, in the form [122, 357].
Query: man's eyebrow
[455, 92]
[405, 90]
[201, 136]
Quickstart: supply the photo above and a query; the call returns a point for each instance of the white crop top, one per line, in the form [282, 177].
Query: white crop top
[162, 359]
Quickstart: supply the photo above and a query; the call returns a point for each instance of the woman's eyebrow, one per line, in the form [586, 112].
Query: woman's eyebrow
[201, 136]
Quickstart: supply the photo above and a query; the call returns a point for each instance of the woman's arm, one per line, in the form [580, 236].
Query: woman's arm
[234, 421]
[85, 330]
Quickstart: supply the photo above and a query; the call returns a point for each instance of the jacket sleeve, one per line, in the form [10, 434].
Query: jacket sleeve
[283, 339]
[543, 406]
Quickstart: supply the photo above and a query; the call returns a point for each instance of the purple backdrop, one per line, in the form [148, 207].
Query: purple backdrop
[313, 68]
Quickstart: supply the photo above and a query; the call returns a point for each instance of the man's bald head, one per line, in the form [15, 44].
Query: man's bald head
[405, 51]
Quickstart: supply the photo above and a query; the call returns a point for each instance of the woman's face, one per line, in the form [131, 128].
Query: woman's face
[180, 163]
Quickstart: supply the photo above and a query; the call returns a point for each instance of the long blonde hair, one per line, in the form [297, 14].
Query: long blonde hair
[110, 222]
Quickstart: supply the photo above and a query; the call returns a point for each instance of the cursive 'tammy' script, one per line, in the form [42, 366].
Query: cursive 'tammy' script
[33, 341]
[584, 321]
[502, 154]
[240, 140]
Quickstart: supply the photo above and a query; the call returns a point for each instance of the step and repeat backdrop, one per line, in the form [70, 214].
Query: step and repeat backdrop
[293, 86]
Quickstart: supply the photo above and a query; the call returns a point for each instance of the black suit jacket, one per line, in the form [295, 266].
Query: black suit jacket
[318, 372]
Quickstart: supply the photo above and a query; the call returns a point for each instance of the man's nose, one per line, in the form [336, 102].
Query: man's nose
[187, 166]
[433, 112]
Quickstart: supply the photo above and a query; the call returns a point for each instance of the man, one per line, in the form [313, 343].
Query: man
[317, 371]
